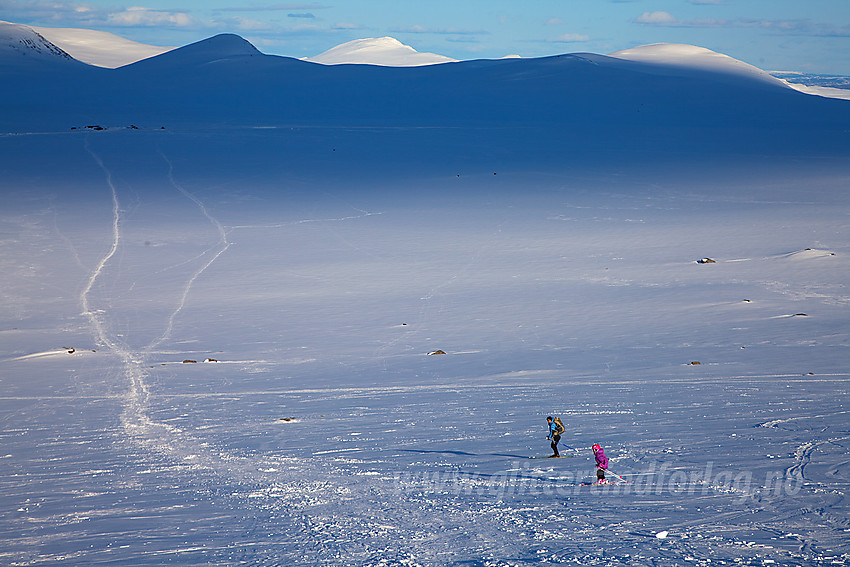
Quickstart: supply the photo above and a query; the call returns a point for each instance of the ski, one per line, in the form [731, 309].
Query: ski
[553, 457]
[602, 484]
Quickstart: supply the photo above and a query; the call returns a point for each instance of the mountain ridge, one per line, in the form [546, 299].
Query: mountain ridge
[102, 49]
[576, 101]
[218, 47]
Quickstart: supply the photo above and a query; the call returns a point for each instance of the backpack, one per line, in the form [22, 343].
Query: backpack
[560, 430]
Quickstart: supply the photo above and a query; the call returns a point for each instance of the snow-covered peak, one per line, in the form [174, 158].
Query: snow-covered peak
[385, 51]
[20, 44]
[223, 45]
[694, 57]
[216, 48]
[98, 48]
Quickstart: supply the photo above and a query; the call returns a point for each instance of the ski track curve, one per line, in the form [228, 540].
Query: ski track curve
[158, 437]
[96, 319]
[223, 245]
[280, 486]
[135, 416]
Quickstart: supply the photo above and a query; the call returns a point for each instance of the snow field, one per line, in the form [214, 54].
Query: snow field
[320, 300]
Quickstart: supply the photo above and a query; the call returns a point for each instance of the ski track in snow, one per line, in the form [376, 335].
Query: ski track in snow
[136, 419]
[775, 422]
[200, 457]
[157, 436]
[224, 245]
[95, 318]
[363, 214]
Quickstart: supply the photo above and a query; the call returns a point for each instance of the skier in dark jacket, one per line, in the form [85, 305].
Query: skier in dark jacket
[601, 463]
[555, 431]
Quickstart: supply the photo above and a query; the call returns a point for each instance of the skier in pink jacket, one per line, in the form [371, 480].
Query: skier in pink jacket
[601, 463]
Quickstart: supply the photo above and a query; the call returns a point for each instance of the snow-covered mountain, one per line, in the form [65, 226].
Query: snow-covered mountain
[385, 51]
[704, 60]
[20, 45]
[99, 48]
[693, 57]
[189, 58]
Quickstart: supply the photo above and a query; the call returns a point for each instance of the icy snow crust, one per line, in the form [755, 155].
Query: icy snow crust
[313, 232]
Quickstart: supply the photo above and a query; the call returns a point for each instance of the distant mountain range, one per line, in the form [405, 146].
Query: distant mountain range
[104, 49]
[661, 98]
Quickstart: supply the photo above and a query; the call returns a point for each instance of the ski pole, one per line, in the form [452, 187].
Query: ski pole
[618, 476]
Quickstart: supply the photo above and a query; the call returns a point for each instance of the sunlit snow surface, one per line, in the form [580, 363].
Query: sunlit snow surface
[319, 275]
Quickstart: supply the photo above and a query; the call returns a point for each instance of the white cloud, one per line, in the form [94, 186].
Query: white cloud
[44, 10]
[571, 38]
[412, 29]
[788, 27]
[798, 27]
[438, 31]
[669, 20]
[656, 18]
[251, 25]
[273, 8]
[139, 16]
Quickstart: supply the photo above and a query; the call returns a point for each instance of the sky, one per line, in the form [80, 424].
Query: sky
[775, 35]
